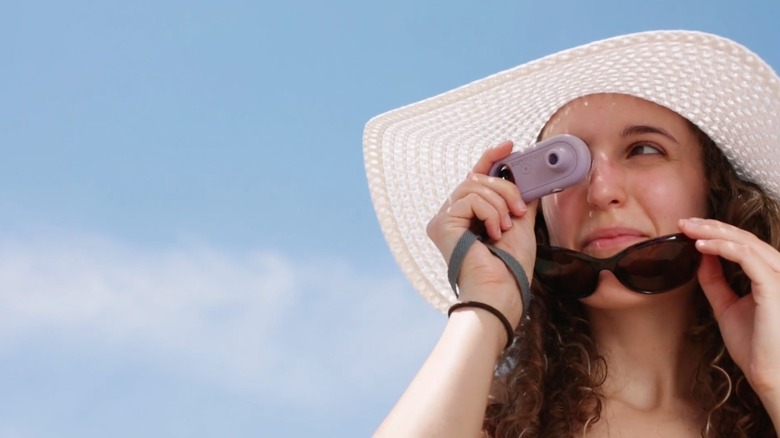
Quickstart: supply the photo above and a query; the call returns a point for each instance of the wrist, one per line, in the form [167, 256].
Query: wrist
[503, 296]
[508, 328]
[479, 327]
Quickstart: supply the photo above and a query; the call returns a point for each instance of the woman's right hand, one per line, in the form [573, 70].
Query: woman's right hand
[495, 204]
[449, 395]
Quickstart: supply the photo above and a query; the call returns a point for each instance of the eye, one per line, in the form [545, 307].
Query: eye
[645, 149]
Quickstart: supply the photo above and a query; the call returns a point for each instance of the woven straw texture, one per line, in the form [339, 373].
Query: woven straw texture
[417, 154]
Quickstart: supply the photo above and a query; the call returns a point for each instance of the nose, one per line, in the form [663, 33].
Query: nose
[606, 183]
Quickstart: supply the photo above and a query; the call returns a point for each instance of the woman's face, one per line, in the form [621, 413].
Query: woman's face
[647, 173]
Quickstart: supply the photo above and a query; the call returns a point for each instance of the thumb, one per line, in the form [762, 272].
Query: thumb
[714, 284]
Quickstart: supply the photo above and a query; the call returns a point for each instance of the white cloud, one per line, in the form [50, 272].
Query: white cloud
[305, 331]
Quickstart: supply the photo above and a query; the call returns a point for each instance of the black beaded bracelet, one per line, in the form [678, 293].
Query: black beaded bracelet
[510, 334]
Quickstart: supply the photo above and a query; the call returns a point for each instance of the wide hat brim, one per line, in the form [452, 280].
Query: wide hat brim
[417, 154]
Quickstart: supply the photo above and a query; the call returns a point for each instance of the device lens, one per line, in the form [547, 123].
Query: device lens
[505, 173]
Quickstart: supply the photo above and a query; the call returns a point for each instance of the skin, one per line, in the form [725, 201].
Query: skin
[646, 175]
[644, 182]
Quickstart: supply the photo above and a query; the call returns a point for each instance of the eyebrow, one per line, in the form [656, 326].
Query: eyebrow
[646, 129]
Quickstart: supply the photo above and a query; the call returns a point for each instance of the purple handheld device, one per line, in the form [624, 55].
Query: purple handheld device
[549, 167]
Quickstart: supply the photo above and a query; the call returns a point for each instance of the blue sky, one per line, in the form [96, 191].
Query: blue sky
[187, 243]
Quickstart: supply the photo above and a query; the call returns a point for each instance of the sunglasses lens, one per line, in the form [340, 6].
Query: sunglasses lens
[659, 267]
[562, 271]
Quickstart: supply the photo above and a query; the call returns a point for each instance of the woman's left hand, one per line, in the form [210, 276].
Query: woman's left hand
[750, 325]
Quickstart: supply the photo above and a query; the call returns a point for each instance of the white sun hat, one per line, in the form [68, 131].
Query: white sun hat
[417, 154]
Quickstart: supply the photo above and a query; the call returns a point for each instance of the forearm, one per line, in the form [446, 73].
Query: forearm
[449, 395]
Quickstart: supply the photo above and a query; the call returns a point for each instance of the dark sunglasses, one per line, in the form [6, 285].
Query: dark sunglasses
[649, 267]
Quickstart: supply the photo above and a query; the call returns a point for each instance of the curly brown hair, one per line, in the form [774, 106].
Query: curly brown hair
[547, 383]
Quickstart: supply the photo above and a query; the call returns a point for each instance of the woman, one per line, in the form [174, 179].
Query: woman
[684, 130]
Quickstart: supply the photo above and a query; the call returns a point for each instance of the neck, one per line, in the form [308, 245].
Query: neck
[650, 361]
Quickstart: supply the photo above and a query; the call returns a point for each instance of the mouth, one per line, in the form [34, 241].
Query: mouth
[604, 243]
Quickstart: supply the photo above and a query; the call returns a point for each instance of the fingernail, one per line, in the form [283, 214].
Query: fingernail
[521, 206]
[501, 144]
[691, 222]
[507, 221]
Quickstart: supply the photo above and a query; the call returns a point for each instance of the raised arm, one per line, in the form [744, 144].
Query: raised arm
[449, 395]
[749, 324]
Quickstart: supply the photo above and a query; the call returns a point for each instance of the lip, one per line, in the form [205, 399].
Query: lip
[611, 240]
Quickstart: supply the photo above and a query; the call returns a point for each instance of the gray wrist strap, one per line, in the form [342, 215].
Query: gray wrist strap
[456, 259]
[459, 253]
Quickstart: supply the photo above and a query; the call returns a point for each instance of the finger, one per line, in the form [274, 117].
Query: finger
[472, 207]
[473, 186]
[520, 240]
[752, 262]
[708, 229]
[714, 284]
[504, 195]
[490, 156]
[486, 162]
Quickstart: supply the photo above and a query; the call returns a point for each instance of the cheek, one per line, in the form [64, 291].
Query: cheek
[671, 198]
[663, 203]
[560, 215]
[663, 197]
